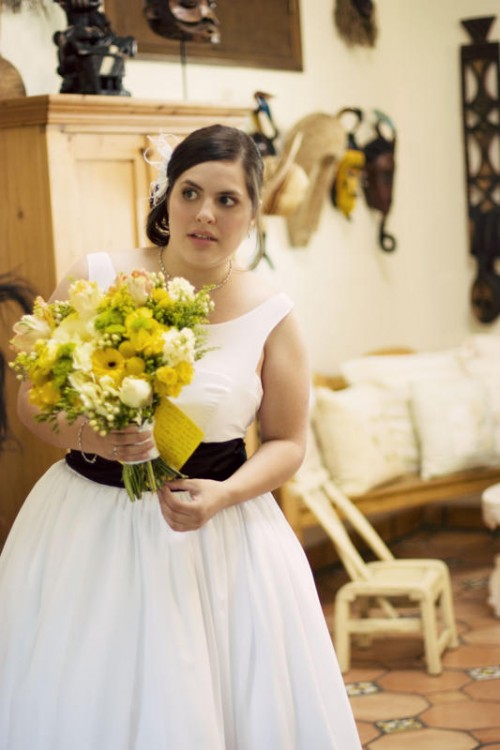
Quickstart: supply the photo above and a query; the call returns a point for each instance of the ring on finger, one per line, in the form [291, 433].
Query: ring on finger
[113, 451]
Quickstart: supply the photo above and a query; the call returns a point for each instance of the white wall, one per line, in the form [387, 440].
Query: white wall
[351, 296]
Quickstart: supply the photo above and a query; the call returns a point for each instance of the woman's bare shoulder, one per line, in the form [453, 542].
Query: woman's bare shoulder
[255, 288]
[129, 260]
[245, 292]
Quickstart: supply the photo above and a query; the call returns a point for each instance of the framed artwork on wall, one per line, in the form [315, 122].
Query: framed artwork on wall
[256, 33]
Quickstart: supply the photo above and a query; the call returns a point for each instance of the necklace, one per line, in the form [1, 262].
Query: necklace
[213, 287]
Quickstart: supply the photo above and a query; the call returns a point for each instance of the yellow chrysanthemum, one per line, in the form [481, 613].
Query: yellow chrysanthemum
[127, 350]
[134, 366]
[141, 339]
[156, 342]
[140, 318]
[45, 395]
[108, 362]
[161, 296]
[46, 358]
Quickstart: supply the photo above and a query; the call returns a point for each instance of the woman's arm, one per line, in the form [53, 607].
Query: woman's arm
[283, 415]
[283, 419]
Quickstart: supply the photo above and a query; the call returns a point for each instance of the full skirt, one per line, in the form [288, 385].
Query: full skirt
[118, 633]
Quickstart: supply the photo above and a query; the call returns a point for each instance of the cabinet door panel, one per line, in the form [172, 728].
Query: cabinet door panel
[107, 195]
[100, 201]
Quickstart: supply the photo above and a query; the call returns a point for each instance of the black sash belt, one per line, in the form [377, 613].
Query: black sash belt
[209, 461]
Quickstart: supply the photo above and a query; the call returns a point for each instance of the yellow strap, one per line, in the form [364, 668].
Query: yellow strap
[176, 435]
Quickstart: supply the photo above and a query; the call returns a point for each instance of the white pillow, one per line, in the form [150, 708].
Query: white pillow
[354, 437]
[400, 370]
[481, 345]
[454, 425]
[480, 356]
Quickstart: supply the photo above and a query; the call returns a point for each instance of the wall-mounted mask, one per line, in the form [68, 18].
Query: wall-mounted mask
[355, 22]
[379, 174]
[186, 20]
[345, 186]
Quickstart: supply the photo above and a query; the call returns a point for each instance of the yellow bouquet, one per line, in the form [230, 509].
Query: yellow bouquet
[116, 357]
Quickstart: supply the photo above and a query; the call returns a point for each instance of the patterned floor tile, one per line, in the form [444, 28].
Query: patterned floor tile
[390, 726]
[485, 673]
[362, 688]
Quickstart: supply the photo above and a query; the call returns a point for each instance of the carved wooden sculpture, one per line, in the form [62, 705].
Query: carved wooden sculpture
[91, 55]
[480, 64]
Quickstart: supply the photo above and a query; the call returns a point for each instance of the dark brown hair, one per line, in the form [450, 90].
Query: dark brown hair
[213, 143]
[17, 290]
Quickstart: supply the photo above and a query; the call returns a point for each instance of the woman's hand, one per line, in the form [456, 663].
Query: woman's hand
[131, 444]
[208, 497]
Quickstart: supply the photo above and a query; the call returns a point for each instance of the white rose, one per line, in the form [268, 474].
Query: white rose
[135, 392]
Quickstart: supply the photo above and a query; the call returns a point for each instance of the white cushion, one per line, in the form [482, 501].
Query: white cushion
[354, 436]
[400, 370]
[480, 356]
[481, 345]
[454, 425]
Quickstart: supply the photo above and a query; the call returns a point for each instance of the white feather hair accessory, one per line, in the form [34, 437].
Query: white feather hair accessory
[162, 147]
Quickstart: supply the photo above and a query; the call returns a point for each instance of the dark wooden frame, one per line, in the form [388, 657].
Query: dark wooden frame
[255, 33]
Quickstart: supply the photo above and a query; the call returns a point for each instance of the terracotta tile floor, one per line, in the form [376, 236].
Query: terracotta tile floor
[397, 705]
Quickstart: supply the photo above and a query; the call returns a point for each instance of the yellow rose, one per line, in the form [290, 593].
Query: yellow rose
[166, 381]
[184, 372]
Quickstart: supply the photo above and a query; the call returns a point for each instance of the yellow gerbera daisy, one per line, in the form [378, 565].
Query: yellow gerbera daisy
[108, 362]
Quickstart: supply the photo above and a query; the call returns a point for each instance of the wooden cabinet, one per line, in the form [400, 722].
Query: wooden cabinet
[73, 180]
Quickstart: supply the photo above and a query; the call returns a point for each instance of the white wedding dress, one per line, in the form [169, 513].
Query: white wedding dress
[117, 633]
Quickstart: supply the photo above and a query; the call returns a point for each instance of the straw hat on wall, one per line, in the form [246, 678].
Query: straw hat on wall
[322, 144]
